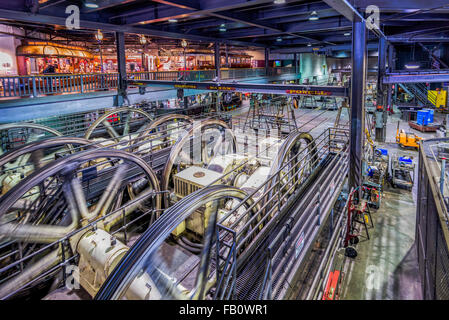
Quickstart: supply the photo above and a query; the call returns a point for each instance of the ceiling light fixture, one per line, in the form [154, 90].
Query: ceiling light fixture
[279, 1]
[279, 39]
[347, 34]
[309, 44]
[91, 4]
[412, 64]
[222, 28]
[142, 39]
[99, 35]
[313, 16]
[172, 20]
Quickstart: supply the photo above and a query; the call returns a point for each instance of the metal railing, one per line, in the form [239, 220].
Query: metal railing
[242, 73]
[432, 220]
[42, 85]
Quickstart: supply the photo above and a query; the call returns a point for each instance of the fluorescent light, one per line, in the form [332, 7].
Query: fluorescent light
[313, 16]
[279, 1]
[347, 34]
[279, 39]
[309, 44]
[412, 65]
[90, 4]
[172, 20]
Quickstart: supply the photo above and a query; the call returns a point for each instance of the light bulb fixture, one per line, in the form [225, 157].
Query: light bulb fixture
[99, 35]
[172, 20]
[309, 44]
[279, 1]
[91, 4]
[412, 65]
[183, 43]
[313, 16]
[142, 39]
[278, 39]
[347, 34]
[222, 28]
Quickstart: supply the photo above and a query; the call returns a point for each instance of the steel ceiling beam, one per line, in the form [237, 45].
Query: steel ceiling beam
[399, 6]
[227, 86]
[301, 27]
[205, 8]
[371, 46]
[240, 18]
[53, 20]
[350, 13]
[105, 4]
[285, 12]
[344, 8]
[404, 77]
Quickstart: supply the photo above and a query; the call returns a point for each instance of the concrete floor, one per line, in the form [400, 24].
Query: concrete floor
[386, 267]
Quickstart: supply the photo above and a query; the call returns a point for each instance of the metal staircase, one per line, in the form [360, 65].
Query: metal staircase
[420, 92]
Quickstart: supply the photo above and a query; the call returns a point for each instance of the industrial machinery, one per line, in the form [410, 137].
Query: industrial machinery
[407, 140]
[203, 211]
[402, 172]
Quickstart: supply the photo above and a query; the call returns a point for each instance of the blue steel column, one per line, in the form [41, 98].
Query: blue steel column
[267, 59]
[390, 69]
[121, 66]
[296, 62]
[217, 60]
[357, 102]
[381, 115]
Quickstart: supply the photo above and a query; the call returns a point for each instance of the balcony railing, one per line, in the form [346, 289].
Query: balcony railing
[42, 85]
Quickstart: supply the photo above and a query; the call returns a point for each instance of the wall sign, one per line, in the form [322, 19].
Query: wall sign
[310, 92]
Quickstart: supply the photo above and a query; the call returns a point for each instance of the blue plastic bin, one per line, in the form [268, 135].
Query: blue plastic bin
[405, 160]
[422, 117]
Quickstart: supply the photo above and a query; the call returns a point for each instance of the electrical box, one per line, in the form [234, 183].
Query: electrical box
[193, 179]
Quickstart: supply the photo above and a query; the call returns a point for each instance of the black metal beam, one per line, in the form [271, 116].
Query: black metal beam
[228, 86]
[121, 64]
[87, 24]
[217, 58]
[381, 115]
[430, 76]
[343, 47]
[357, 123]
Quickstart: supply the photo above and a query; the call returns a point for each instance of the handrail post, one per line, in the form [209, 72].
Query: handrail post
[34, 86]
[81, 84]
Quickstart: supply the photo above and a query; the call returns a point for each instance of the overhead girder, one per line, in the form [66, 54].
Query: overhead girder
[286, 89]
[23, 16]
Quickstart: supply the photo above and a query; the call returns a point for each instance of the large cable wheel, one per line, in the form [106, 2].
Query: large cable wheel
[14, 135]
[204, 140]
[21, 162]
[62, 197]
[296, 165]
[146, 273]
[164, 131]
[118, 123]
